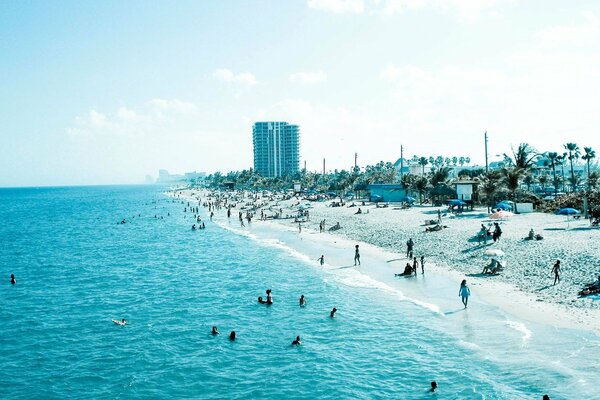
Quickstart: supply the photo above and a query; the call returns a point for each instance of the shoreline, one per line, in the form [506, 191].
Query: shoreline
[380, 264]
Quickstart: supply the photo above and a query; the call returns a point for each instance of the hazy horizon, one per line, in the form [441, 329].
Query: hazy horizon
[107, 93]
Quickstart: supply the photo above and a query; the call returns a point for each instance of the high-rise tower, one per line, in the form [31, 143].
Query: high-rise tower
[276, 148]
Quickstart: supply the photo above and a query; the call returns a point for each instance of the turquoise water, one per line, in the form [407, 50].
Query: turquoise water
[77, 269]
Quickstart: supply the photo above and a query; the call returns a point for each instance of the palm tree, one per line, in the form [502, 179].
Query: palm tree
[593, 179]
[574, 153]
[529, 180]
[440, 175]
[467, 160]
[461, 161]
[420, 185]
[543, 181]
[512, 179]
[589, 154]
[439, 161]
[561, 161]
[431, 160]
[423, 162]
[524, 157]
[488, 185]
[448, 161]
[454, 160]
[553, 157]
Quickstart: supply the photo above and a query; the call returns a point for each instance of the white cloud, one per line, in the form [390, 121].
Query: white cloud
[338, 6]
[308, 77]
[153, 116]
[584, 33]
[226, 75]
[464, 9]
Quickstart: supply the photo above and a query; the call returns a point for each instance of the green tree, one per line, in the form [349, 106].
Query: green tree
[423, 161]
[574, 153]
[511, 178]
[588, 156]
[523, 157]
[553, 157]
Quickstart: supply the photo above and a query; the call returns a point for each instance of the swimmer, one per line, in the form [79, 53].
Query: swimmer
[269, 297]
[232, 336]
[332, 313]
[296, 341]
[302, 301]
[546, 397]
[122, 322]
[260, 300]
[433, 386]
[215, 331]
[13, 280]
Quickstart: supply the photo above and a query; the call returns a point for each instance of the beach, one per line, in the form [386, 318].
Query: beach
[524, 288]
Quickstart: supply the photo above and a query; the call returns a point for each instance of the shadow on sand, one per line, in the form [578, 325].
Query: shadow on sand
[455, 311]
[543, 288]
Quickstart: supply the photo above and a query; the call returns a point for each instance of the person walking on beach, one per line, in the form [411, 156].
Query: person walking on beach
[409, 248]
[497, 232]
[464, 292]
[422, 265]
[321, 260]
[556, 271]
[356, 255]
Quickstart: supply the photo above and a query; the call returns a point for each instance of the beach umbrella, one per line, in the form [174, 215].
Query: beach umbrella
[408, 199]
[349, 194]
[456, 202]
[332, 194]
[494, 252]
[568, 211]
[501, 214]
[503, 206]
[376, 198]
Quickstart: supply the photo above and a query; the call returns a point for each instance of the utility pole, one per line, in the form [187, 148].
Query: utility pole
[401, 161]
[304, 165]
[323, 166]
[486, 152]
[355, 160]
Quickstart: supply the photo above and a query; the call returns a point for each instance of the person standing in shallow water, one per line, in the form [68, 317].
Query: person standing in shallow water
[556, 271]
[321, 260]
[356, 255]
[12, 279]
[409, 248]
[464, 292]
[422, 265]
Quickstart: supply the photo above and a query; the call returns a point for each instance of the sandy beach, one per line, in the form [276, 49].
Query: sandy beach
[524, 289]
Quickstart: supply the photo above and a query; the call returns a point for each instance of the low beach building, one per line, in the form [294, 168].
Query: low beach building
[388, 192]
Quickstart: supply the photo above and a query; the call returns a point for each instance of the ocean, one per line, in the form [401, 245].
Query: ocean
[78, 268]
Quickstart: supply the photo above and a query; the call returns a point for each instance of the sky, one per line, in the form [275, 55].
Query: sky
[109, 91]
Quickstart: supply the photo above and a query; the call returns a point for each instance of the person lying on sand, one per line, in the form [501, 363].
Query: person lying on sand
[435, 228]
[335, 227]
[359, 211]
[592, 288]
